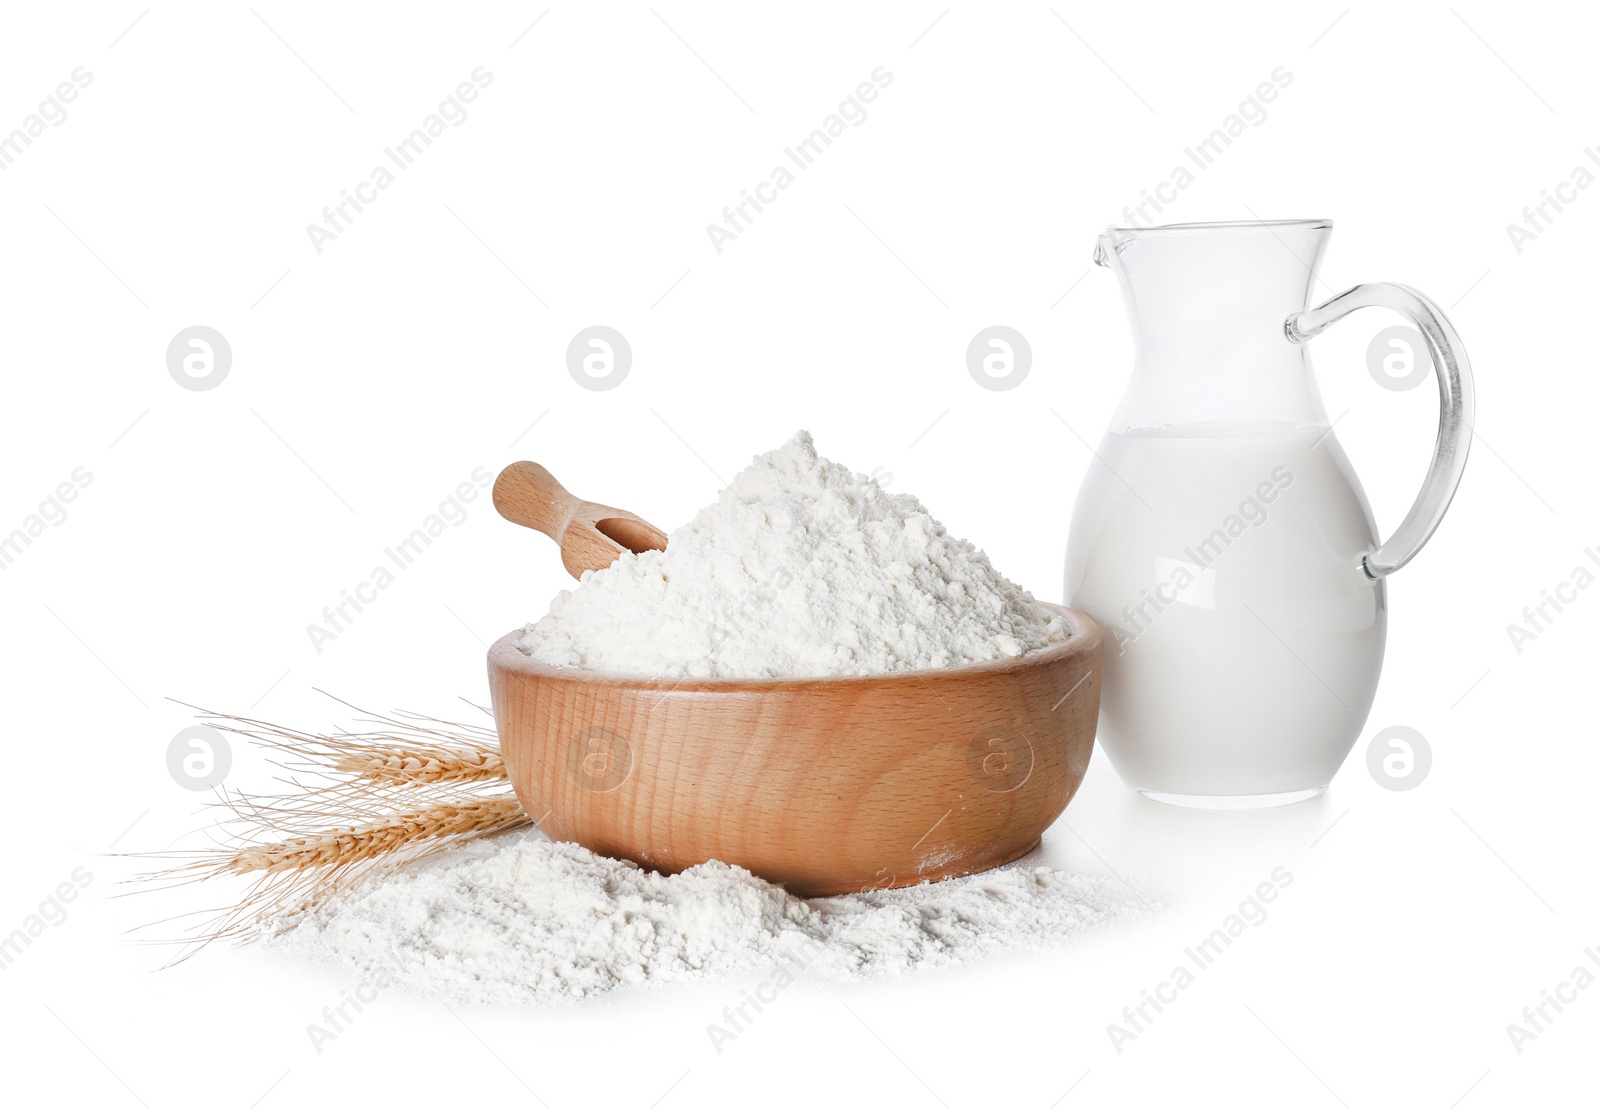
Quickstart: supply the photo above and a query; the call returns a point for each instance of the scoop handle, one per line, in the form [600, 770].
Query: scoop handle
[527, 494]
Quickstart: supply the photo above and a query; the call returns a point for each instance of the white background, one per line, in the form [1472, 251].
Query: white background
[369, 380]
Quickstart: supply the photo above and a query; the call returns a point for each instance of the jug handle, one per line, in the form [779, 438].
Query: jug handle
[1456, 412]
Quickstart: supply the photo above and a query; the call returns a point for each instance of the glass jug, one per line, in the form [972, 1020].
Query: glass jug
[1221, 538]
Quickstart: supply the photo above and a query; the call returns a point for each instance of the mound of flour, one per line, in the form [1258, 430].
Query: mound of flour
[525, 920]
[801, 567]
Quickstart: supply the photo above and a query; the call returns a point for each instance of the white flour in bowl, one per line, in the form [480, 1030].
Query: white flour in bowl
[525, 920]
[801, 567]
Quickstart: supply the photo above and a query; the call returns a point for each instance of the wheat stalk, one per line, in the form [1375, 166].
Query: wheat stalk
[360, 803]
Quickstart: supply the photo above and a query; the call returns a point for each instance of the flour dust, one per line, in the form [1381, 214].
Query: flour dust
[523, 920]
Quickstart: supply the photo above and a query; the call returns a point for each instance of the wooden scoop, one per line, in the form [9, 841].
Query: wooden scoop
[591, 536]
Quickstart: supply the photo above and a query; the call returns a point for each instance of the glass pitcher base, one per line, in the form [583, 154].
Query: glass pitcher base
[1248, 800]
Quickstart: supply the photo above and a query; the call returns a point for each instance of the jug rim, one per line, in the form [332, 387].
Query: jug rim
[1203, 226]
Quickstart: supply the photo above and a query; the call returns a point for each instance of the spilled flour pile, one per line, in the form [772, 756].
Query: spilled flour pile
[799, 568]
[525, 920]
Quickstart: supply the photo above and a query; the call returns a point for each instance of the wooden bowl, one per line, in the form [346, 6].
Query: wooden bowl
[827, 785]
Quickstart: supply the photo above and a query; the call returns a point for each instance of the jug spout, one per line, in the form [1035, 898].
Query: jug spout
[1105, 247]
[1207, 303]
[1112, 241]
[1107, 251]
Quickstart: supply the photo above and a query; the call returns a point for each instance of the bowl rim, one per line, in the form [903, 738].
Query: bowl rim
[1085, 639]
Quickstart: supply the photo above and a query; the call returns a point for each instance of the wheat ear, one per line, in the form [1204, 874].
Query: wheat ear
[429, 828]
[408, 749]
[360, 802]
